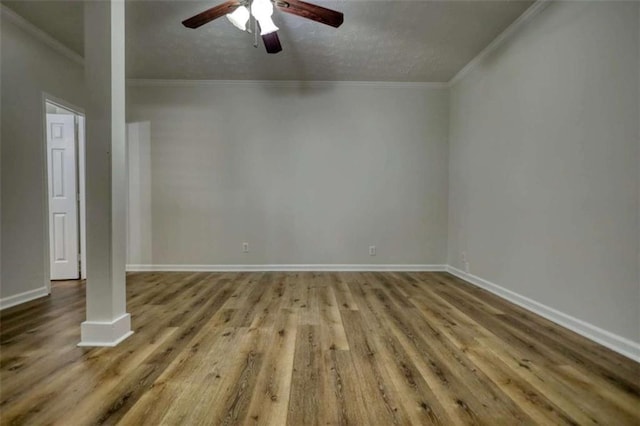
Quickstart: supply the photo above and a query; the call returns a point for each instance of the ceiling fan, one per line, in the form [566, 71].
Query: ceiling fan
[244, 13]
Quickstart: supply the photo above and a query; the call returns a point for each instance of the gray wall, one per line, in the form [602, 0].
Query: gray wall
[544, 164]
[29, 68]
[139, 194]
[305, 175]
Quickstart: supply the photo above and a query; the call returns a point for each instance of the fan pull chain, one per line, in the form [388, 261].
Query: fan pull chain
[255, 29]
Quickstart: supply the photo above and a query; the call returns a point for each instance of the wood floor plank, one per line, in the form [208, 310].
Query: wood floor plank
[270, 400]
[582, 406]
[202, 382]
[114, 384]
[302, 348]
[231, 406]
[579, 350]
[527, 341]
[309, 304]
[307, 390]
[332, 329]
[597, 353]
[341, 290]
[420, 401]
[460, 384]
[267, 311]
[384, 404]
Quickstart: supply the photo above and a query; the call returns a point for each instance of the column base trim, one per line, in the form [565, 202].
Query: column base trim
[109, 334]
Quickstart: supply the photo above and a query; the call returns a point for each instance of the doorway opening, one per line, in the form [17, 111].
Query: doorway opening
[65, 178]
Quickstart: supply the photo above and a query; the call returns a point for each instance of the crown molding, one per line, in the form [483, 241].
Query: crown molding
[505, 35]
[285, 83]
[36, 32]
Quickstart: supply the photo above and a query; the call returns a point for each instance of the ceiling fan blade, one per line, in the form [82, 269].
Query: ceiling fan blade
[311, 11]
[211, 14]
[272, 42]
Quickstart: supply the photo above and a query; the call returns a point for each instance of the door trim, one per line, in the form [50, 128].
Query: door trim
[48, 98]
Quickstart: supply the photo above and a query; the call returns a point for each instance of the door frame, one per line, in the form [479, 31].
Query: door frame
[81, 181]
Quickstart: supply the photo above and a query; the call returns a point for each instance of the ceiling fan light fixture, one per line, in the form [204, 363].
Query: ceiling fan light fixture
[251, 13]
[239, 18]
[267, 26]
[262, 11]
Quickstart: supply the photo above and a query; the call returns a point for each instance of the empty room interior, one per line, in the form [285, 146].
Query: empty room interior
[319, 212]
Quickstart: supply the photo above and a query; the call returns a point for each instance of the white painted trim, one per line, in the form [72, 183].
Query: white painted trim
[40, 35]
[82, 189]
[284, 268]
[27, 296]
[509, 32]
[59, 102]
[95, 333]
[612, 341]
[286, 83]
[48, 98]
[45, 196]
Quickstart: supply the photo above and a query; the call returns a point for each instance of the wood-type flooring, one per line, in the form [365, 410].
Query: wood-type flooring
[305, 348]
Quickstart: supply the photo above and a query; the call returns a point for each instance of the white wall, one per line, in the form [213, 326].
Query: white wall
[305, 175]
[139, 193]
[544, 164]
[29, 68]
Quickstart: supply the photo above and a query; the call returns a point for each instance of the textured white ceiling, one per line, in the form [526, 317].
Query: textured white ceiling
[379, 40]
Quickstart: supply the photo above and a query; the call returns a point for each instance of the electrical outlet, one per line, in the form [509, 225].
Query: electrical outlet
[372, 250]
[464, 257]
[245, 247]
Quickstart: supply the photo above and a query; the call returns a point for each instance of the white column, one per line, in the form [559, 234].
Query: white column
[107, 322]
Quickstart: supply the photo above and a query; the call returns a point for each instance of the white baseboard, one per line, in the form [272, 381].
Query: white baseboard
[95, 333]
[284, 268]
[620, 344]
[17, 299]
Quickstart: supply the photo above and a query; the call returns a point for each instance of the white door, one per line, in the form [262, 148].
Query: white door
[63, 193]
